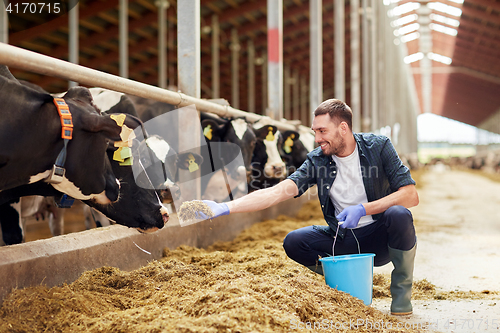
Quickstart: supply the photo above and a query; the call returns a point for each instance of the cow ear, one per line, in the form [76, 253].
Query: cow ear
[189, 161]
[81, 94]
[101, 124]
[267, 132]
[211, 130]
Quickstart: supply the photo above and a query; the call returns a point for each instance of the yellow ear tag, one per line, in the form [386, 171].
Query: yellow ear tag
[126, 152]
[207, 132]
[127, 161]
[192, 163]
[117, 155]
[270, 135]
[118, 118]
[288, 145]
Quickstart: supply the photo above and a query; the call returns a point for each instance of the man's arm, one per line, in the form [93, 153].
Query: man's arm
[264, 198]
[406, 196]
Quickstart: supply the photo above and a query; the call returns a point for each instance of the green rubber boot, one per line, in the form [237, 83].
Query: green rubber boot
[402, 280]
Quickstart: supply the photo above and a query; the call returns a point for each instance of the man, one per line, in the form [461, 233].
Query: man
[362, 182]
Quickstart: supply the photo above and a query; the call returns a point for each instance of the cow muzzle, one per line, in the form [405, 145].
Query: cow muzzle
[275, 170]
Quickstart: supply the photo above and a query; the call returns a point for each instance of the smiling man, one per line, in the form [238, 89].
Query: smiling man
[361, 182]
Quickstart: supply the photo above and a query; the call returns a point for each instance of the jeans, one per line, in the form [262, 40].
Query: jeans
[394, 228]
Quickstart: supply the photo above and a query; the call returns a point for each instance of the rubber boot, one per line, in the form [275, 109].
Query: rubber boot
[316, 268]
[402, 280]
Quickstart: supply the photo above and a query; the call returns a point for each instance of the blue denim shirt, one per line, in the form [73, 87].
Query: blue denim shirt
[382, 170]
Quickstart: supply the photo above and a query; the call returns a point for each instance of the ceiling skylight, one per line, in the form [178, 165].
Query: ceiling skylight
[441, 7]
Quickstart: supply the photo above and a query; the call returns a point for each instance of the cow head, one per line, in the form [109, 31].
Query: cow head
[292, 150]
[137, 207]
[31, 118]
[236, 131]
[266, 156]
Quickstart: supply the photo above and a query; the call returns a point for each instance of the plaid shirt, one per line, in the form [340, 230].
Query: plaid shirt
[381, 168]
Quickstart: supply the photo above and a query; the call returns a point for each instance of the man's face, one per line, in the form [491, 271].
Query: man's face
[327, 135]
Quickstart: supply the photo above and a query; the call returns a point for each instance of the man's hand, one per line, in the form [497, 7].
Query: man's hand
[217, 209]
[351, 216]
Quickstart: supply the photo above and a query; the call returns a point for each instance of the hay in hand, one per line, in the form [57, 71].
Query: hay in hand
[188, 209]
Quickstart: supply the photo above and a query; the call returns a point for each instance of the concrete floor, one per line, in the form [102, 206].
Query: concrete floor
[458, 230]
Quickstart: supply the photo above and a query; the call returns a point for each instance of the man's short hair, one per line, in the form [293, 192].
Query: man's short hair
[338, 111]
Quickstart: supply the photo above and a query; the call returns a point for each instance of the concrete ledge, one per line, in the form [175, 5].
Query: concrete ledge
[64, 258]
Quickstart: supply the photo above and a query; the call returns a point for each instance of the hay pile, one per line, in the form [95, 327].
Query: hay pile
[246, 285]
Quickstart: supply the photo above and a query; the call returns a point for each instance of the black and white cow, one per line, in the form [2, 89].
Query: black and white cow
[294, 146]
[30, 142]
[268, 167]
[227, 138]
[137, 207]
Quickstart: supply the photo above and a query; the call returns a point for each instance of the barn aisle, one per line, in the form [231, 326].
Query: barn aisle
[458, 230]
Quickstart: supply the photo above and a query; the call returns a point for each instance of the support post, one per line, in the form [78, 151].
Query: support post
[288, 97]
[188, 47]
[123, 40]
[189, 69]
[162, 43]
[296, 95]
[215, 57]
[316, 54]
[365, 59]
[4, 23]
[235, 81]
[339, 49]
[355, 67]
[275, 58]
[251, 76]
[73, 36]
[373, 65]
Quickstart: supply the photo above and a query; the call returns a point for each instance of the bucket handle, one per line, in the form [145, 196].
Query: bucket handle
[335, 239]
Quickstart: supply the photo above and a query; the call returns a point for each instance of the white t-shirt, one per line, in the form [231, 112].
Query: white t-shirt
[348, 188]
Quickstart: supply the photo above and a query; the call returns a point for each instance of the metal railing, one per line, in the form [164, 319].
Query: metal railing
[19, 58]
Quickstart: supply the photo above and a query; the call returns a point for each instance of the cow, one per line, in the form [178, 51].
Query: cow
[32, 142]
[13, 217]
[268, 167]
[227, 139]
[149, 214]
[294, 147]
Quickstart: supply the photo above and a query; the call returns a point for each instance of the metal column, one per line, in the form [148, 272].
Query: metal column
[305, 113]
[4, 23]
[215, 57]
[251, 76]
[339, 49]
[275, 58]
[355, 67]
[73, 35]
[287, 93]
[123, 39]
[296, 95]
[373, 65]
[425, 46]
[162, 43]
[235, 82]
[365, 59]
[189, 78]
[316, 54]
[264, 83]
[188, 47]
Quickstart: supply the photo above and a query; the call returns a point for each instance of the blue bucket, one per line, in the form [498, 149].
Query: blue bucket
[352, 273]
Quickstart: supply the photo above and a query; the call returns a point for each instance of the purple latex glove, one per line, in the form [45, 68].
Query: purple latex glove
[351, 216]
[217, 209]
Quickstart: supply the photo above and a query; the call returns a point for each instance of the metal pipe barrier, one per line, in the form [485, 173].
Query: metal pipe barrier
[19, 58]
